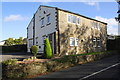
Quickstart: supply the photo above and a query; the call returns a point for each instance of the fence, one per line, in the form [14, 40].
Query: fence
[14, 48]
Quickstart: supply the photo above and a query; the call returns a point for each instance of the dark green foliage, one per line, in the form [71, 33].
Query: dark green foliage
[14, 48]
[114, 44]
[9, 41]
[47, 49]
[19, 41]
[34, 50]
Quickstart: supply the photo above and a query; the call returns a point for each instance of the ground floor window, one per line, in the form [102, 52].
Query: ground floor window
[73, 41]
[96, 42]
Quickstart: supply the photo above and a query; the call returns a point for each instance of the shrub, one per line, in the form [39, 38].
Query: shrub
[34, 50]
[10, 62]
[47, 49]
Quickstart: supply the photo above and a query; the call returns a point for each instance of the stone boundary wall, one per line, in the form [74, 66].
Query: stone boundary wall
[14, 48]
[25, 70]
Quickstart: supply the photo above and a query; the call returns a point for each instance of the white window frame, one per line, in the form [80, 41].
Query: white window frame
[95, 40]
[42, 21]
[69, 16]
[78, 21]
[71, 41]
[98, 26]
[48, 19]
[74, 19]
[76, 42]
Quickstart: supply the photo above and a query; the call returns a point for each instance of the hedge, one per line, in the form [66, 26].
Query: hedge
[14, 48]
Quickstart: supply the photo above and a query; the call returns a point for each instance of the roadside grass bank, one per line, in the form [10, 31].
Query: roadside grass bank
[12, 70]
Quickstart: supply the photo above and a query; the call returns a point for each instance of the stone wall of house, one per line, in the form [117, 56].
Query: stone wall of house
[84, 32]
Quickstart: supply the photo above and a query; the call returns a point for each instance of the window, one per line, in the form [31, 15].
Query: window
[96, 42]
[69, 18]
[42, 21]
[36, 40]
[30, 43]
[74, 19]
[98, 26]
[78, 20]
[76, 41]
[72, 41]
[48, 19]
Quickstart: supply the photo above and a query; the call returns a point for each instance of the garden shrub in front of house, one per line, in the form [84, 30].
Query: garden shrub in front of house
[34, 50]
[47, 49]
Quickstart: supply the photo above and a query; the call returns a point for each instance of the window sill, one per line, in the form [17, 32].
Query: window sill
[42, 26]
[48, 24]
[71, 45]
[99, 46]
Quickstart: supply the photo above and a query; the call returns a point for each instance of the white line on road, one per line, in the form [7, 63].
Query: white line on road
[99, 71]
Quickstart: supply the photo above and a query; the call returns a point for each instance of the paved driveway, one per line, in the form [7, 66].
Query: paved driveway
[18, 55]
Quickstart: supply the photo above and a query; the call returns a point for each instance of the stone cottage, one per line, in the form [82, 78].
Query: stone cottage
[68, 32]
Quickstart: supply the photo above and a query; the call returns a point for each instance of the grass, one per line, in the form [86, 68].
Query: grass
[92, 53]
[66, 58]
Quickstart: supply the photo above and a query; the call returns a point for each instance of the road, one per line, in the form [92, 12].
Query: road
[104, 69]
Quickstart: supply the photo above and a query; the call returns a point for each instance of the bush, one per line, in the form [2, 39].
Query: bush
[47, 49]
[34, 50]
[10, 62]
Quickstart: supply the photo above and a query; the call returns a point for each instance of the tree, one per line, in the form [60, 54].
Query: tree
[47, 49]
[9, 41]
[25, 41]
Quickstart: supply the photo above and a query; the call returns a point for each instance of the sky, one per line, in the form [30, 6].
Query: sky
[17, 15]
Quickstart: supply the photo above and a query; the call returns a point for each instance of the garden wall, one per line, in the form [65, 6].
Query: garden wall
[25, 70]
[14, 48]
[113, 44]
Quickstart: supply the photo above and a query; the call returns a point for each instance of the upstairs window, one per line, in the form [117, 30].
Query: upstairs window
[78, 20]
[69, 18]
[98, 26]
[48, 19]
[42, 21]
[74, 19]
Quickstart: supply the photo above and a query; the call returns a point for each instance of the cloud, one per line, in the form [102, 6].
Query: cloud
[14, 18]
[91, 3]
[96, 4]
[112, 26]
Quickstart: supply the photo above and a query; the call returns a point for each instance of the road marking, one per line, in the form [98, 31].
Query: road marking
[100, 71]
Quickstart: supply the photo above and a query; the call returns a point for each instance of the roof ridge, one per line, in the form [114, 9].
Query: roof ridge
[73, 13]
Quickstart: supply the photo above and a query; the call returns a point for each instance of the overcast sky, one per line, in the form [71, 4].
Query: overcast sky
[17, 15]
